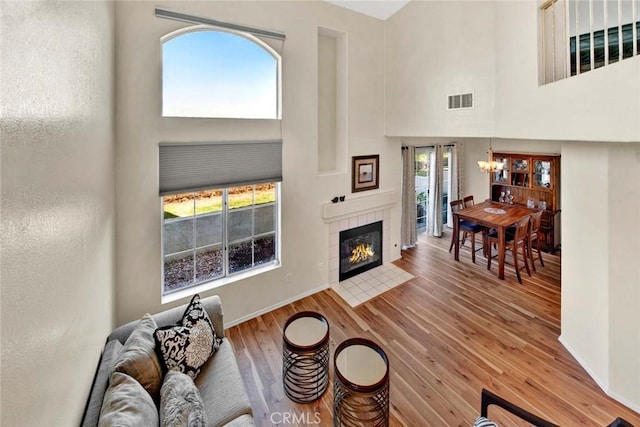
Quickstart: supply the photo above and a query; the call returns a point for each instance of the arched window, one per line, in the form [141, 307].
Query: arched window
[215, 73]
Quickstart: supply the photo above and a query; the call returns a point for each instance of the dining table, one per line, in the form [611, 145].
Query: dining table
[492, 215]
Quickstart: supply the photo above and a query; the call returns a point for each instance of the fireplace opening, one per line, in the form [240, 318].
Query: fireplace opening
[360, 249]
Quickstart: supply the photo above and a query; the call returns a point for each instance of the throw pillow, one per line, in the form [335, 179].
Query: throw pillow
[484, 422]
[126, 403]
[139, 359]
[109, 357]
[187, 346]
[180, 402]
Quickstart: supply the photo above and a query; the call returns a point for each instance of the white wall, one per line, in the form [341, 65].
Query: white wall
[304, 233]
[585, 256]
[57, 206]
[435, 49]
[624, 272]
[600, 105]
[600, 270]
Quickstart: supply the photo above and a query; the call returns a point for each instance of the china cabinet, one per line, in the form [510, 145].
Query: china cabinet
[532, 180]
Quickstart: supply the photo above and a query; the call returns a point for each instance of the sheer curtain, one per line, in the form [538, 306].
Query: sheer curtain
[434, 216]
[456, 183]
[408, 232]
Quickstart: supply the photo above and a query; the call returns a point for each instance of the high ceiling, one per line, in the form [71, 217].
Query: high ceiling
[381, 9]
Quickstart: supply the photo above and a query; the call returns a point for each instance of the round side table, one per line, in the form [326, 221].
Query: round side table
[361, 384]
[305, 356]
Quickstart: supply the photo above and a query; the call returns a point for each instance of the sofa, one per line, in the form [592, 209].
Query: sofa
[219, 382]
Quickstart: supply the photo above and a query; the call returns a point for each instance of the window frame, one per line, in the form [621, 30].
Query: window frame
[227, 277]
[250, 37]
[579, 50]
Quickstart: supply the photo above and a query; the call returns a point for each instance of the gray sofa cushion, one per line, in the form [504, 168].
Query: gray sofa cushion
[139, 359]
[221, 387]
[242, 421]
[127, 403]
[109, 356]
[180, 402]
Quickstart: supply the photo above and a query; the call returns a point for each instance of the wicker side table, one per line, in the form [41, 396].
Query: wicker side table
[361, 384]
[305, 356]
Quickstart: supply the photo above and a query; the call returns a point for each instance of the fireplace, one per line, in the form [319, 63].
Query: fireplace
[360, 249]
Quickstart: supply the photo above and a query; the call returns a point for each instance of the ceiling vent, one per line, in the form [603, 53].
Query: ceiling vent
[463, 100]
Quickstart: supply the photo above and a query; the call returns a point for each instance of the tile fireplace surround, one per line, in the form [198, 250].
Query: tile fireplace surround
[344, 216]
[352, 222]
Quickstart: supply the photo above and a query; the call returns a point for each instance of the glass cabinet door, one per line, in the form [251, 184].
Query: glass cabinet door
[542, 173]
[503, 175]
[520, 172]
[520, 165]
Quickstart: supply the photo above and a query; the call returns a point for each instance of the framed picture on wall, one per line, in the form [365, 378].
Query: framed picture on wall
[365, 173]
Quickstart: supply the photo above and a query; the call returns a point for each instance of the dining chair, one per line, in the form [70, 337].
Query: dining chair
[534, 236]
[468, 228]
[468, 201]
[518, 241]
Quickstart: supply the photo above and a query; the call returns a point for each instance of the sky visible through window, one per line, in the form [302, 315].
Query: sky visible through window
[218, 74]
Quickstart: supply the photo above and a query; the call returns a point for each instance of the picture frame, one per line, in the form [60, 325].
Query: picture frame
[365, 171]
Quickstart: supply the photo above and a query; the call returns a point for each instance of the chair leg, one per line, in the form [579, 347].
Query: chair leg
[539, 252]
[531, 257]
[489, 256]
[484, 242]
[524, 257]
[473, 248]
[514, 251]
[530, 253]
[453, 241]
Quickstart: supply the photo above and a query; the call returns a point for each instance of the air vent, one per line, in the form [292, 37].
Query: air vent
[463, 100]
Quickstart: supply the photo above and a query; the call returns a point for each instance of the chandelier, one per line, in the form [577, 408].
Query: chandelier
[490, 165]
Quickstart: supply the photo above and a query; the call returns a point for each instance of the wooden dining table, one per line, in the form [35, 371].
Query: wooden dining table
[498, 216]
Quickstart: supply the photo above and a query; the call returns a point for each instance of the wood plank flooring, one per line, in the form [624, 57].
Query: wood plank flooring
[452, 330]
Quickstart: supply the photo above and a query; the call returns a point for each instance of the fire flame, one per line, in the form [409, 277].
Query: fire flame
[361, 253]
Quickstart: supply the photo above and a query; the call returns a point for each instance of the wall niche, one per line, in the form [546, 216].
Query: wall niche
[332, 101]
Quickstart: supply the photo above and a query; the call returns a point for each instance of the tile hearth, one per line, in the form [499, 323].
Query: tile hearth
[370, 284]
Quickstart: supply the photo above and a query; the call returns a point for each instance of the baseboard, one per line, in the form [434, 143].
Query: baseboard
[605, 388]
[275, 306]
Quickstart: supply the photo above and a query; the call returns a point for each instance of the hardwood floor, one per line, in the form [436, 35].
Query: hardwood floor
[452, 330]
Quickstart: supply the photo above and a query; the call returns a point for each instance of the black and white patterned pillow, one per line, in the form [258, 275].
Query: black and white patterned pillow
[187, 346]
[484, 422]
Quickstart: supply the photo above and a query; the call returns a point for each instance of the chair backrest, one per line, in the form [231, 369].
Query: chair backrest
[468, 201]
[456, 205]
[522, 229]
[536, 219]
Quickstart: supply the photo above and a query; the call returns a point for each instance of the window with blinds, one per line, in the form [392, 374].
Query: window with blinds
[220, 200]
[579, 36]
[221, 211]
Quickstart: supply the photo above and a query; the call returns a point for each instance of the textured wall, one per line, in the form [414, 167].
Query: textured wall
[435, 49]
[57, 202]
[600, 270]
[601, 105]
[140, 128]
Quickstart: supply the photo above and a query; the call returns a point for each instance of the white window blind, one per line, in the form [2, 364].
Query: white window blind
[186, 167]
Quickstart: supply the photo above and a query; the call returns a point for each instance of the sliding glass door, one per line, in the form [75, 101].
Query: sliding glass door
[422, 186]
[424, 164]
